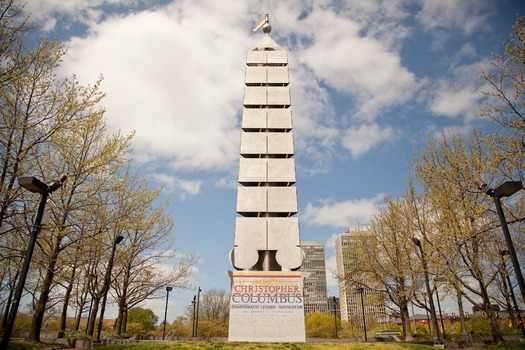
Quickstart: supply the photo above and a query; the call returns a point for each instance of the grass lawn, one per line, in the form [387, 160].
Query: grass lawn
[289, 346]
[22, 345]
[267, 346]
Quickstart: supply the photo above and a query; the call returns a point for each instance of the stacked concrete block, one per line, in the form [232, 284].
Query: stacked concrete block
[267, 234]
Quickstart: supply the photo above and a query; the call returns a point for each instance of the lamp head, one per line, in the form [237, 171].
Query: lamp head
[32, 184]
[416, 241]
[507, 189]
[169, 289]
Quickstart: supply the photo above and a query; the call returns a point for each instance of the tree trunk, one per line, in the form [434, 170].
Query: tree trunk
[125, 319]
[118, 324]
[93, 317]
[122, 303]
[80, 306]
[9, 301]
[405, 319]
[497, 336]
[38, 317]
[119, 321]
[77, 320]
[63, 316]
[508, 302]
[461, 312]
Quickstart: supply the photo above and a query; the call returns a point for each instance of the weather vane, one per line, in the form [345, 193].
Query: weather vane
[264, 23]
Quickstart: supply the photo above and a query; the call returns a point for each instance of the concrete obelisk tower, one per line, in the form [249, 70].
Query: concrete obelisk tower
[267, 295]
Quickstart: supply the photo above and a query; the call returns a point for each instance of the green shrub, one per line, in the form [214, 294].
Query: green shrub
[319, 325]
[478, 326]
[134, 328]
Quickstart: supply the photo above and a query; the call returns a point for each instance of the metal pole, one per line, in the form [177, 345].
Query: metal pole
[25, 269]
[168, 289]
[360, 290]
[516, 308]
[107, 281]
[335, 317]
[197, 320]
[510, 246]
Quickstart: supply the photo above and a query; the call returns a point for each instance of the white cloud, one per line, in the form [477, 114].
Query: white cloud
[316, 130]
[466, 15]
[454, 101]
[180, 187]
[83, 11]
[173, 71]
[362, 67]
[175, 76]
[175, 79]
[457, 96]
[343, 214]
[361, 139]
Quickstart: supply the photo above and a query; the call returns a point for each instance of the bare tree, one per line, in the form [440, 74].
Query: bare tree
[148, 262]
[215, 305]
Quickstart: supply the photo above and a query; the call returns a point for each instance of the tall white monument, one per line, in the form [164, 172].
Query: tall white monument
[266, 303]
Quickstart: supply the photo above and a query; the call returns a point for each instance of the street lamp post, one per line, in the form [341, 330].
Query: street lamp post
[417, 242]
[506, 278]
[197, 320]
[506, 189]
[107, 282]
[516, 308]
[360, 290]
[34, 185]
[168, 290]
[335, 316]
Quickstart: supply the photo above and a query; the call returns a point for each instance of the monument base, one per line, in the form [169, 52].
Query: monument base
[267, 306]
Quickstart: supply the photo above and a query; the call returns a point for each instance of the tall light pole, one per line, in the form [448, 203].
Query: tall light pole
[168, 290]
[34, 185]
[417, 242]
[335, 316]
[506, 277]
[197, 320]
[360, 290]
[107, 282]
[506, 189]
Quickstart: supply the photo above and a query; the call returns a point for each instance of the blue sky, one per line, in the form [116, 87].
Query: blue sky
[371, 81]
